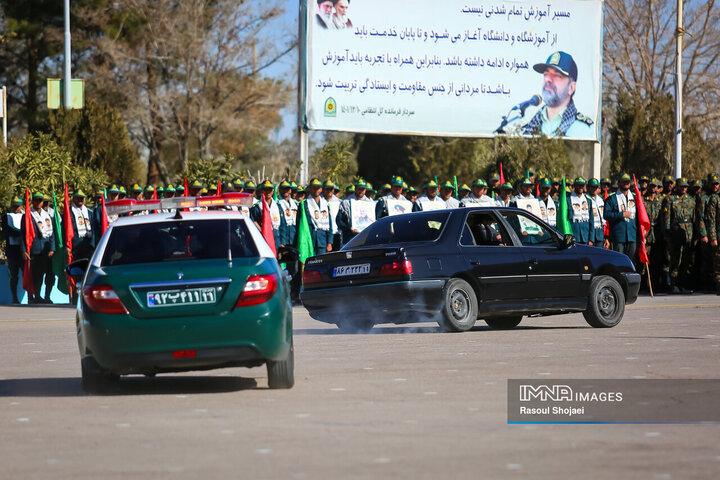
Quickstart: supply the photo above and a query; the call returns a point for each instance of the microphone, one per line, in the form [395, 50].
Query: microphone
[522, 106]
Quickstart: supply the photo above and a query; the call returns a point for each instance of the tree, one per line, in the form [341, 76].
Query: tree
[97, 137]
[194, 68]
[639, 55]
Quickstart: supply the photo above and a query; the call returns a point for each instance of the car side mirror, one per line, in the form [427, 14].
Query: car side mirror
[568, 241]
[77, 269]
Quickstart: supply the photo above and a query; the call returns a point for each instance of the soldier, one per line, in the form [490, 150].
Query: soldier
[122, 193]
[82, 242]
[505, 197]
[136, 192]
[250, 188]
[12, 228]
[279, 227]
[580, 214]
[300, 194]
[712, 228]
[160, 192]
[293, 189]
[605, 187]
[463, 192]
[478, 195]
[320, 222]
[668, 185]
[705, 255]
[345, 214]
[195, 188]
[643, 184]
[349, 191]
[169, 191]
[370, 192]
[289, 210]
[411, 194]
[548, 208]
[446, 195]
[679, 218]
[493, 190]
[621, 214]
[653, 205]
[429, 200]
[113, 193]
[212, 190]
[41, 250]
[396, 189]
[384, 190]
[238, 185]
[180, 191]
[597, 205]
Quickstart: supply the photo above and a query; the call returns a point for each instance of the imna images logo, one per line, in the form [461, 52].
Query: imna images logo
[544, 393]
[330, 107]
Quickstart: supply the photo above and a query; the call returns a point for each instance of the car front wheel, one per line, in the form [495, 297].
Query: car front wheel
[460, 308]
[606, 302]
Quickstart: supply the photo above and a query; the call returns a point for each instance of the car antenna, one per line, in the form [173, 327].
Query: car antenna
[178, 215]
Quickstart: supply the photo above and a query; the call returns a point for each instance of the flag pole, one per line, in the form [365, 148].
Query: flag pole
[647, 267]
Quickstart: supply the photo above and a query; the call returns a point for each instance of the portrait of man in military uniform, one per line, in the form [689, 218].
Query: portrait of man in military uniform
[558, 117]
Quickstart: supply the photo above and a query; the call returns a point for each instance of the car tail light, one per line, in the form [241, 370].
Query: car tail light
[396, 268]
[311, 276]
[258, 289]
[103, 299]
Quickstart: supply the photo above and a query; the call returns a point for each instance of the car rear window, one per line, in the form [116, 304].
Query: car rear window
[178, 240]
[413, 227]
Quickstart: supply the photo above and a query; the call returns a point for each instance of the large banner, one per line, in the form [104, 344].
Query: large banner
[454, 68]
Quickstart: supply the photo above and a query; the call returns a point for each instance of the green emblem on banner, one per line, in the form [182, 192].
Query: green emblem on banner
[330, 107]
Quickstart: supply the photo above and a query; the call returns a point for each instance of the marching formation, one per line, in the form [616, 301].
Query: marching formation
[680, 220]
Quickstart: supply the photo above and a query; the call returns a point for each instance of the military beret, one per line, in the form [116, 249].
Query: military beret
[396, 180]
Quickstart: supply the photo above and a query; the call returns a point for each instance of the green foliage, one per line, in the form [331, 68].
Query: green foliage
[39, 163]
[417, 159]
[209, 171]
[336, 160]
[642, 139]
[97, 137]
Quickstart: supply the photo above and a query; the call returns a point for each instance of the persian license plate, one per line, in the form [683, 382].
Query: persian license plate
[346, 270]
[190, 296]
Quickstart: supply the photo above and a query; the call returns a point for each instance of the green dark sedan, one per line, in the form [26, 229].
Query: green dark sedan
[172, 293]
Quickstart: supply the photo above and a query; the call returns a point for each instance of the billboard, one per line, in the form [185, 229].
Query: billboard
[453, 68]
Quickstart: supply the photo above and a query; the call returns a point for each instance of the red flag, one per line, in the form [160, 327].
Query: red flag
[104, 224]
[537, 188]
[29, 237]
[502, 176]
[68, 234]
[186, 192]
[154, 197]
[219, 187]
[267, 230]
[643, 221]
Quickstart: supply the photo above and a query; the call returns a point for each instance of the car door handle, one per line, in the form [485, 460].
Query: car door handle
[474, 262]
[533, 261]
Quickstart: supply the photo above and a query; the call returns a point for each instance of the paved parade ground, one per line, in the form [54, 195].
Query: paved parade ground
[396, 403]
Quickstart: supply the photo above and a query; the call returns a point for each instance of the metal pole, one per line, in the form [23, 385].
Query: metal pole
[678, 90]
[304, 141]
[5, 114]
[68, 99]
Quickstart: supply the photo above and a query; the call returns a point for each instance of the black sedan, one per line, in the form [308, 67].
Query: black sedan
[458, 266]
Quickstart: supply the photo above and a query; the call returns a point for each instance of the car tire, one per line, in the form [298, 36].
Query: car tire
[94, 379]
[355, 325]
[503, 323]
[606, 302]
[459, 312]
[281, 374]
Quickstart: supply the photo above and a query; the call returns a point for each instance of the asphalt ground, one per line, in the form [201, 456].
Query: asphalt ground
[395, 403]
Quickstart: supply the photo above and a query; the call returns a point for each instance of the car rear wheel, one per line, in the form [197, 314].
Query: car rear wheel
[606, 302]
[503, 323]
[94, 379]
[281, 374]
[460, 308]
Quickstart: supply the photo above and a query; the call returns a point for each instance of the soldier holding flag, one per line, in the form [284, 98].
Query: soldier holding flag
[38, 248]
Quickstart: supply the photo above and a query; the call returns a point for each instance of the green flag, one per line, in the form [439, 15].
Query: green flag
[304, 238]
[455, 187]
[59, 259]
[563, 223]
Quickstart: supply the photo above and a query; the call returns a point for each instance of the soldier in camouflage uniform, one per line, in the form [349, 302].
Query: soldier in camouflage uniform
[679, 220]
[653, 205]
[710, 232]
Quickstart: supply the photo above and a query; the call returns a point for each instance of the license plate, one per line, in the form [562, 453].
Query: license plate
[347, 270]
[190, 296]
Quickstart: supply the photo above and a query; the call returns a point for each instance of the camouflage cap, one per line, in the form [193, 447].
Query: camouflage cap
[16, 201]
[654, 181]
[682, 182]
[667, 179]
[713, 179]
[396, 180]
[495, 177]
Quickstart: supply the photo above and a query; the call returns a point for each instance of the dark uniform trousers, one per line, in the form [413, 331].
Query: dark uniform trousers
[15, 264]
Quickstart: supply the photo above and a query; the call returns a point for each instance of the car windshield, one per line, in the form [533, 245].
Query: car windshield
[413, 227]
[178, 240]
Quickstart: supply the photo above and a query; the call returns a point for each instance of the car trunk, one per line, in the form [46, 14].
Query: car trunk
[356, 267]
